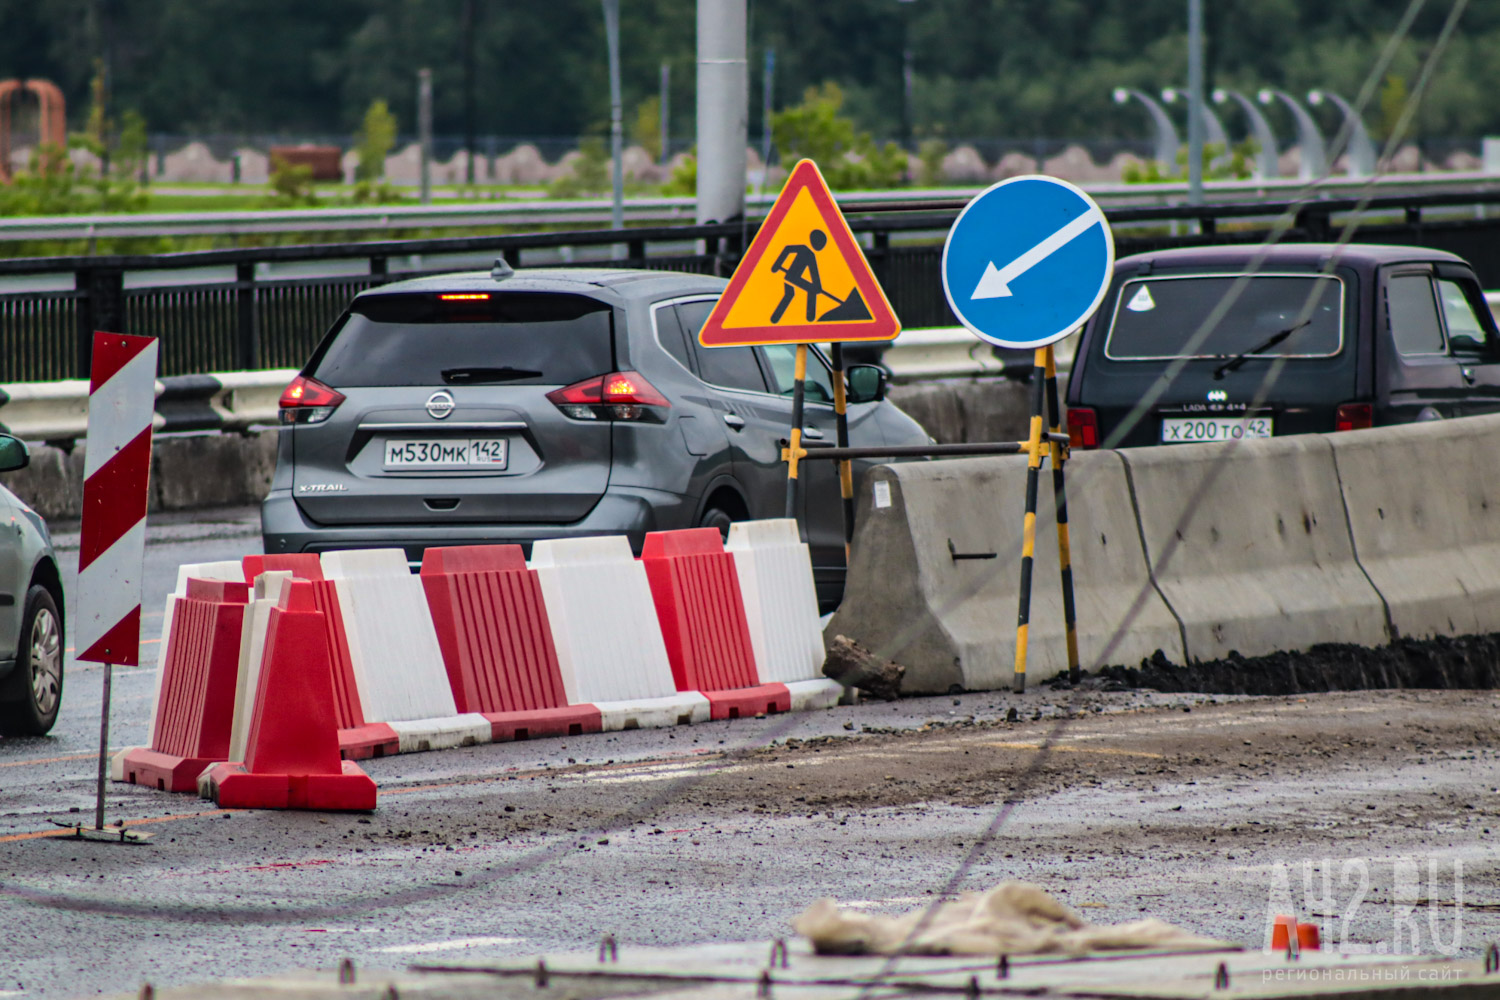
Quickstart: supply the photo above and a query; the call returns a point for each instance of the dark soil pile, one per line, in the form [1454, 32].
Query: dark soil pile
[1466, 662]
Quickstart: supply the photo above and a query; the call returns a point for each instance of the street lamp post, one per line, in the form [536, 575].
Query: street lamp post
[1166, 132]
[616, 113]
[1195, 102]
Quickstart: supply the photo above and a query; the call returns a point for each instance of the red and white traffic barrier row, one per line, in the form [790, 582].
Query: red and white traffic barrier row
[483, 647]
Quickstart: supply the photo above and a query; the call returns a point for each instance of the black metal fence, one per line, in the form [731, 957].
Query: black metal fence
[227, 310]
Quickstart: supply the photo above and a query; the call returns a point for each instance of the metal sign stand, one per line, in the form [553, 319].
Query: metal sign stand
[1045, 405]
[794, 452]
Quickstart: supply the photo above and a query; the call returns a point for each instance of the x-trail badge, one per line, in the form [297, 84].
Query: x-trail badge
[440, 404]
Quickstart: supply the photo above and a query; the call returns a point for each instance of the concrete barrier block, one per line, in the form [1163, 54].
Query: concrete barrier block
[1424, 509]
[393, 646]
[781, 605]
[952, 622]
[604, 626]
[1251, 547]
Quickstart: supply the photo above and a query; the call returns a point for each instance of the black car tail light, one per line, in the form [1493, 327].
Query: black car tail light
[1083, 427]
[616, 396]
[308, 401]
[1354, 417]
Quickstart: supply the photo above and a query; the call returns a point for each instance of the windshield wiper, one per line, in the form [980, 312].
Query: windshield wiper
[479, 376]
[1269, 343]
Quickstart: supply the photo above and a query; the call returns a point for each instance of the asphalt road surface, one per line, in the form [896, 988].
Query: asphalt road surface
[1370, 813]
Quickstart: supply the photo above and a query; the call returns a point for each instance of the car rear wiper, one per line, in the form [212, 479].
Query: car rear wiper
[1266, 345]
[479, 376]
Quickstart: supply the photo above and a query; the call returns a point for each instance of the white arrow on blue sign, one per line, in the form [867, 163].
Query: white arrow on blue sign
[1028, 261]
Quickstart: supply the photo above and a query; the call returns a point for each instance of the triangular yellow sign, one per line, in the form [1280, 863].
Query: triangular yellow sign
[803, 280]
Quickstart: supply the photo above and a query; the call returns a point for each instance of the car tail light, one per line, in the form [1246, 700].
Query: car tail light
[1083, 427]
[618, 396]
[1354, 417]
[308, 401]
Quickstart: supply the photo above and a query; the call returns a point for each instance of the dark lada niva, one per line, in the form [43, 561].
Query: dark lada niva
[1219, 343]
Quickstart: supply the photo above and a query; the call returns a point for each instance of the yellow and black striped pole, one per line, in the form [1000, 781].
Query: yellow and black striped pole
[1028, 538]
[1058, 452]
[794, 452]
[846, 467]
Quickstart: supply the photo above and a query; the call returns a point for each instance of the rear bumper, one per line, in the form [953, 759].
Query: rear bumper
[628, 511]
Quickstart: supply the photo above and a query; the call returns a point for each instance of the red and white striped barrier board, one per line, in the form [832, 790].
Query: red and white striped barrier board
[116, 470]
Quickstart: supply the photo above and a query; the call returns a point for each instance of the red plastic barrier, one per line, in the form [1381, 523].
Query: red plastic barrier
[196, 702]
[358, 740]
[702, 616]
[497, 644]
[302, 565]
[292, 752]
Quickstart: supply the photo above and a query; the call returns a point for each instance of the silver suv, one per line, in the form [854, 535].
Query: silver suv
[512, 406]
[31, 619]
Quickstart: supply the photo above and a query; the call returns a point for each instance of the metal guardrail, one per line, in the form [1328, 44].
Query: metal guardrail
[57, 412]
[239, 401]
[483, 214]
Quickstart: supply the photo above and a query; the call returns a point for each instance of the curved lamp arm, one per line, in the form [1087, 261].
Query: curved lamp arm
[1309, 139]
[1266, 158]
[1167, 143]
[1359, 146]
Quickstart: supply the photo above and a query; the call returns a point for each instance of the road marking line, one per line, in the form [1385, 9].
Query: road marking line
[1099, 750]
[455, 945]
[67, 831]
[49, 760]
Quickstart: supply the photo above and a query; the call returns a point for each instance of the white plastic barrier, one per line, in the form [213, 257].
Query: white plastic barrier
[398, 666]
[781, 604]
[229, 569]
[609, 644]
[264, 595]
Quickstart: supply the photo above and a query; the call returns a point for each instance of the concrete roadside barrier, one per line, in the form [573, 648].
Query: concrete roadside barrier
[1252, 551]
[292, 747]
[497, 644]
[781, 609]
[394, 652]
[935, 569]
[196, 711]
[697, 595]
[609, 645]
[1423, 502]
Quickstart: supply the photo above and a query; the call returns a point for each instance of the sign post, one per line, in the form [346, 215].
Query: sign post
[112, 542]
[804, 280]
[1026, 263]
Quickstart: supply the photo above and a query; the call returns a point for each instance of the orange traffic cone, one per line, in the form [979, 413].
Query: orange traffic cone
[292, 752]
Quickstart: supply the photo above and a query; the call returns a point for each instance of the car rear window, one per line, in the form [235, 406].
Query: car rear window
[1157, 317]
[519, 338]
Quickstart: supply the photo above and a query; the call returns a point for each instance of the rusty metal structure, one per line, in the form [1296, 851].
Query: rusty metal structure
[51, 116]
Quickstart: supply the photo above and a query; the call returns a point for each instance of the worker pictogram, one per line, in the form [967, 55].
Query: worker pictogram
[804, 278]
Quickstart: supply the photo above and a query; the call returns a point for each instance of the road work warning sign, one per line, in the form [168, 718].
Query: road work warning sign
[804, 278]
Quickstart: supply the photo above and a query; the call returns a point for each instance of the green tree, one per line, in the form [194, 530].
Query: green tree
[849, 159]
[376, 138]
[645, 128]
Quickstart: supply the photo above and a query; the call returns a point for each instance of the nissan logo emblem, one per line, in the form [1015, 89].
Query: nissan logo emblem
[439, 404]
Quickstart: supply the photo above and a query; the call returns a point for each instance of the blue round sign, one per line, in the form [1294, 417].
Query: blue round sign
[1027, 261]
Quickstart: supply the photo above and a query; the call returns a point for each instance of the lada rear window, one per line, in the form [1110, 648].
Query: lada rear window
[519, 338]
[1159, 318]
